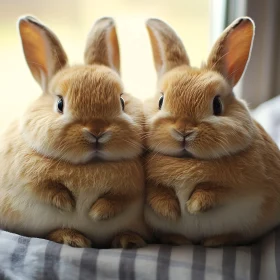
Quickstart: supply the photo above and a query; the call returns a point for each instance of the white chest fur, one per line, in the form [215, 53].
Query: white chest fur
[236, 217]
[38, 219]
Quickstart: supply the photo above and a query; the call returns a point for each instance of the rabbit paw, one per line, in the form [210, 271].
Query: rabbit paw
[128, 240]
[63, 200]
[102, 209]
[199, 202]
[167, 208]
[69, 237]
[222, 240]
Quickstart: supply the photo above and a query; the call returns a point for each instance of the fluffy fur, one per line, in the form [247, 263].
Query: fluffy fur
[55, 179]
[211, 178]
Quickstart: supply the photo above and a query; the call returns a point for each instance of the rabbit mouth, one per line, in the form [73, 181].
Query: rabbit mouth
[97, 156]
[186, 154]
[180, 154]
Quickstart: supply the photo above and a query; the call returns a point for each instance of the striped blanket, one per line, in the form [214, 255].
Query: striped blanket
[32, 258]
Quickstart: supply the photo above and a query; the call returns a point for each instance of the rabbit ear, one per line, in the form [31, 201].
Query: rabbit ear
[102, 45]
[42, 49]
[168, 49]
[231, 52]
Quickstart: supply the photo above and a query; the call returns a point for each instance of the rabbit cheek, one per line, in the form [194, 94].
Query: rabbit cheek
[159, 137]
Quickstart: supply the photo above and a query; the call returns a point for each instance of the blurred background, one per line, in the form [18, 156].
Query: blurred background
[198, 23]
[72, 20]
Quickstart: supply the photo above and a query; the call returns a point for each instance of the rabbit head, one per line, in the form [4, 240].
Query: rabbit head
[83, 113]
[195, 112]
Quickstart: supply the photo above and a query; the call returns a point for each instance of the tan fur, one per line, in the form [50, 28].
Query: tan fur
[231, 239]
[226, 176]
[205, 197]
[110, 205]
[103, 34]
[69, 237]
[128, 240]
[163, 201]
[50, 171]
[231, 52]
[37, 58]
[167, 55]
[54, 193]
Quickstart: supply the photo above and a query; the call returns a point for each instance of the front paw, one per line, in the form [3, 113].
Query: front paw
[128, 240]
[199, 202]
[174, 239]
[69, 237]
[231, 239]
[194, 206]
[63, 200]
[102, 210]
[167, 208]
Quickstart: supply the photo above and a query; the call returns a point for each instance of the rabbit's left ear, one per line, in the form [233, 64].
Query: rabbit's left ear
[42, 49]
[168, 49]
[232, 50]
[102, 45]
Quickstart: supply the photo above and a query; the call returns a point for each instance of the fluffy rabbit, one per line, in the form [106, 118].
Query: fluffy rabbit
[71, 167]
[213, 173]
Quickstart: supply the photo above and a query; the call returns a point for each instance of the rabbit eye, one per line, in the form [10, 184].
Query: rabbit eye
[122, 103]
[217, 106]
[60, 105]
[160, 102]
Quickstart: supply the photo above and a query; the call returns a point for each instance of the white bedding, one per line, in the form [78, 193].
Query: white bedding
[268, 115]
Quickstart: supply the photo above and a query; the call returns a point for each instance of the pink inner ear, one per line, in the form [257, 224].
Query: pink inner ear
[238, 47]
[34, 49]
[115, 49]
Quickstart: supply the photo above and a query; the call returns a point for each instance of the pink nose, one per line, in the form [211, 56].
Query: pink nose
[187, 134]
[184, 134]
[96, 134]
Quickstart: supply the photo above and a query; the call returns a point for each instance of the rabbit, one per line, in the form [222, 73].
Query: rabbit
[213, 173]
[71, 167]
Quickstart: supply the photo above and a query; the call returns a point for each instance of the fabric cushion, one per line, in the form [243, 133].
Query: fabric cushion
[33, 258]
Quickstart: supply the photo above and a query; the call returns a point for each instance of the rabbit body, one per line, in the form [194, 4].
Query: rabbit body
[248, 206]
[213, 172]
[21, 212]
[72, 164]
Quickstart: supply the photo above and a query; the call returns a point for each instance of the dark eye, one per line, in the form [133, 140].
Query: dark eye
[122, 102]
[217, 106]
[160, 102]
[60, 104]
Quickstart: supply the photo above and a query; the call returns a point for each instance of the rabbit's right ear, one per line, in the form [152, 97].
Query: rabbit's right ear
[168, 49]
[102, 45]
[231, 52]
[42, 49]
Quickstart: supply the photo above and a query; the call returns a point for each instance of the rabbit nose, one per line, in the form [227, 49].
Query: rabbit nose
[95, 134]
[184, 134]
[187, 134]
[181, 136]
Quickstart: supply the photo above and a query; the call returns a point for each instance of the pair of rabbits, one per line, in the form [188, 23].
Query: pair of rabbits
[72, 168]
